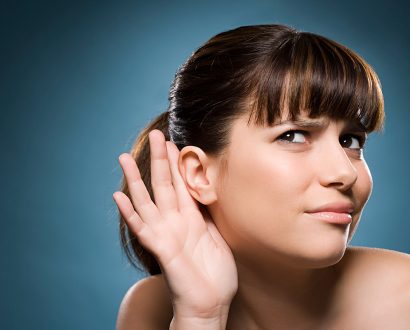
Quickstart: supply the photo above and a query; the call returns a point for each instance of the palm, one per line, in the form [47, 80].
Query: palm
[197, 263]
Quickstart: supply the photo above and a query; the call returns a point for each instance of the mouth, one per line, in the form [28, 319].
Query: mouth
[341, 218]
[337, 207]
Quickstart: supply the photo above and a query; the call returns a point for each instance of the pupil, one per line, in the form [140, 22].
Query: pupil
[345, 141]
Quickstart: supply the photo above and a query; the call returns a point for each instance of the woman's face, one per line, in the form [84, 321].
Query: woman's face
[275, 175]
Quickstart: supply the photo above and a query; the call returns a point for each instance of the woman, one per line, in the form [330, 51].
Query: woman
[253, 183]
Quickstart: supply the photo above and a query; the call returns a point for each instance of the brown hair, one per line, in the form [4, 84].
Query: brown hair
[259, 70]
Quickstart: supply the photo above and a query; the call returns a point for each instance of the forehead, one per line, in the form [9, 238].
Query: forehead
[304, 121]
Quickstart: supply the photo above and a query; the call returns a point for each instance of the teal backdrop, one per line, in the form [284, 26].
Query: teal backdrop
[80, 79]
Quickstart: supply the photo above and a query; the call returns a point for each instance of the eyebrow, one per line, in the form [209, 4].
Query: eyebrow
[312, 123]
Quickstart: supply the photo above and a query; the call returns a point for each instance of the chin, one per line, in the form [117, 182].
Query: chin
[325, 254]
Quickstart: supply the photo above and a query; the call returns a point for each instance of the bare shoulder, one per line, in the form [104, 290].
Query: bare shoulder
[391, 265]
[146, 304]
[380, 268]
[377, 282]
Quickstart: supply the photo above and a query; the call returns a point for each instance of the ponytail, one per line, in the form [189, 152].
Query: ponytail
[140, 151]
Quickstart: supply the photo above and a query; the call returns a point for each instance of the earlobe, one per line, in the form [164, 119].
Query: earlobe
[196, 169]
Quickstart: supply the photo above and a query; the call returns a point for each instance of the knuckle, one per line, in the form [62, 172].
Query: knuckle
[145, 202]
[161, 182]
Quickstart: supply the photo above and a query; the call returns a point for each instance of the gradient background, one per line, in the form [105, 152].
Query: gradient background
[79, 79]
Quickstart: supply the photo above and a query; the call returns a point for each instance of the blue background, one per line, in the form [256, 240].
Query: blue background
[80, 79]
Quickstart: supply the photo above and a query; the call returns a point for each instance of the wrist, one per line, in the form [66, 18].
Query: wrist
[209, 319]
[199, 323]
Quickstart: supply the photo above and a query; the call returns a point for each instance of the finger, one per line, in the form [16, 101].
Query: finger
[161, 180]
[185, 200]
[134, 222]
[140, 197]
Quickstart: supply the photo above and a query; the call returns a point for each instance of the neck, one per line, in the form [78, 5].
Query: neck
[276, 293]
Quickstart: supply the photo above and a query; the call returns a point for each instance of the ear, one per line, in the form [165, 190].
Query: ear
[199, 172]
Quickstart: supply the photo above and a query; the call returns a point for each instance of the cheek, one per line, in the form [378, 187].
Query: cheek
[364, 185]
[362, 191]
[259, 194]
[261, 180]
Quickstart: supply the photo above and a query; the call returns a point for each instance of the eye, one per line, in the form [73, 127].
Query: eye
[352, 141]
[293, 136]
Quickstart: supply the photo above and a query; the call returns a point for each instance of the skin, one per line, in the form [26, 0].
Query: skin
[261, 202]
[261, 260]
[259, 205]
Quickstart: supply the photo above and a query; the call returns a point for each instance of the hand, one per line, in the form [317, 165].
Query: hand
[197, 264]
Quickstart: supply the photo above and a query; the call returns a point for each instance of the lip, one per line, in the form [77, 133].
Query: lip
[335, 207]
[336, 212]
[332, 217]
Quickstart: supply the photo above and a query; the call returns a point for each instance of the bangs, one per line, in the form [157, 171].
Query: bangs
[318, 76]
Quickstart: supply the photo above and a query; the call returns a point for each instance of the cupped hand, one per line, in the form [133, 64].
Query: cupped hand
[197, 263]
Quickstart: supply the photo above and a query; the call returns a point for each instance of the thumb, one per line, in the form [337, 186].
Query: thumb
[213, 230]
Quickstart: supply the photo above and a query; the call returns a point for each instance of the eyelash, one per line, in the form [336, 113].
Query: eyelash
[360, 139]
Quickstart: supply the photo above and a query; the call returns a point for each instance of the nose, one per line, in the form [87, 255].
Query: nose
[335, 168]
